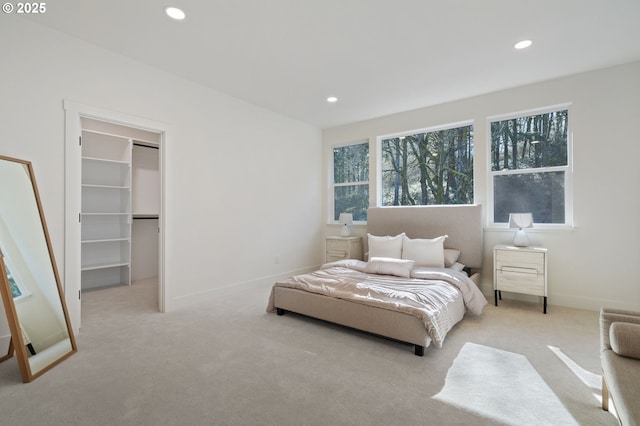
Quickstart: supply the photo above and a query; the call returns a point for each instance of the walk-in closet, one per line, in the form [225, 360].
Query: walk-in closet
[120, 204]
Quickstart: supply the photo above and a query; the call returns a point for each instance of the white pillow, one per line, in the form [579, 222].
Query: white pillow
[450, 257]
[355, 264]
[389, 266]
[385, 246]
[423, 251]
[457, 266]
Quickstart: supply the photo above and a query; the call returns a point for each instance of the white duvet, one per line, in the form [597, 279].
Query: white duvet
[438, 296]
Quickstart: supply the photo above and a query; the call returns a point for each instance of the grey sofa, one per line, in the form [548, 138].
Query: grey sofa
[620, 356]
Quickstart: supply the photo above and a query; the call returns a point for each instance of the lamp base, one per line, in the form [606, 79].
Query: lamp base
[345, 231]
[520, 238]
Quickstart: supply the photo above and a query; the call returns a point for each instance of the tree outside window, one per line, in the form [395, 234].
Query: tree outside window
[429, 167]
[351, 180]
[530, 166]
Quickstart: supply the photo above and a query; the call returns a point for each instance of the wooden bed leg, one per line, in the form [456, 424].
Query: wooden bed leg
[419, 350]
[280, 311]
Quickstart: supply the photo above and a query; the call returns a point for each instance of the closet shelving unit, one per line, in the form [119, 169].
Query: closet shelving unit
[106, 209]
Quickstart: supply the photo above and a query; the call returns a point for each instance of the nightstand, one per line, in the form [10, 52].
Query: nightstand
[343, 248]
[520, 270]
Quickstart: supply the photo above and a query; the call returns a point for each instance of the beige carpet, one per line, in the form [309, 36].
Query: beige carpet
[227, 361]
[494, 383]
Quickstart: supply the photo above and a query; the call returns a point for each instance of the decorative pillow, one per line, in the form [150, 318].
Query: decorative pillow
[625, 339]
[424, 252]
[457, 266]
[355, 264]
[385, 246]
[389, 266]
[450, 257]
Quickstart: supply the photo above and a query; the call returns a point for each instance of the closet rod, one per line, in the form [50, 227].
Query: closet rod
[146, 146]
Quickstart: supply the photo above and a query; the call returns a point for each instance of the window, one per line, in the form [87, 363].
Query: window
[530, 166]
[433, 166]
[17, 287]
[351, 180]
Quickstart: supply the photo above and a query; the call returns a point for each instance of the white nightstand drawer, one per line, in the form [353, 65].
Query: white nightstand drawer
[520, 259]
[520, 280]
[337, 254]
[337, 245]
[338, 248]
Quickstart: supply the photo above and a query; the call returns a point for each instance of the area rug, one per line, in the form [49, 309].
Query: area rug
[503, 386]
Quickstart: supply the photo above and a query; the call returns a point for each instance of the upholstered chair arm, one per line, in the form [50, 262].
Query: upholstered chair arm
[609, 316]
[625, 339]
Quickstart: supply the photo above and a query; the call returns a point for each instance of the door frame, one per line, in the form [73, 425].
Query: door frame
[73, 198]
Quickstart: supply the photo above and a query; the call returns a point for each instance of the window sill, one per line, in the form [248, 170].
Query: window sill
[536, 229]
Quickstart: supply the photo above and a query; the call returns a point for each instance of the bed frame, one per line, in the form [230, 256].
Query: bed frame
[462, 224]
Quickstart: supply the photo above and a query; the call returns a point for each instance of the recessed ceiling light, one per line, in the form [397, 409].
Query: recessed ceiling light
[332, 99]
[523, 44]
[175, 13]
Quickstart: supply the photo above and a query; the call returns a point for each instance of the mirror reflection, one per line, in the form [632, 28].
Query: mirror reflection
[40, 314]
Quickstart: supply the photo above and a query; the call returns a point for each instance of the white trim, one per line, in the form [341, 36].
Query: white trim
[527, 112]
[332, 185]
[454, 125]
[437, 128]
[538, 228]
[73, 172]
[212, 294]
[568, 169]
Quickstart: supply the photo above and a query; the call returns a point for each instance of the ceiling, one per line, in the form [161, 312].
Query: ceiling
[378, 57]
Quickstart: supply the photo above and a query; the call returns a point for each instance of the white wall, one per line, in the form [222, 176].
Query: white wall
[242, 183]
[593, 264]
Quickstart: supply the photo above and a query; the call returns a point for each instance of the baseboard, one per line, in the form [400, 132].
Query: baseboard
[184, 302]
[567, 301]
[589, 303]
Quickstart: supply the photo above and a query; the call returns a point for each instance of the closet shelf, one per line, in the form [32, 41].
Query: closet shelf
[107, 134]
[91, 185]
[104, 214]
[105, 210]
[104, 240]
[107, 161]
[94, 266]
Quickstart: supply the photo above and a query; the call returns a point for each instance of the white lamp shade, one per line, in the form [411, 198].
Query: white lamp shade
[346, 219]
[520, 220]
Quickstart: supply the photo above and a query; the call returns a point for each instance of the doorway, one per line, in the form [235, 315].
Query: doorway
[106, 223]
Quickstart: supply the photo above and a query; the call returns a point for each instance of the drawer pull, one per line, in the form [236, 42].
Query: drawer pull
[512, 270]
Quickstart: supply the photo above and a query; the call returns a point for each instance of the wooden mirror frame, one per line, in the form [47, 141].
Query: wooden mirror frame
[17, 343]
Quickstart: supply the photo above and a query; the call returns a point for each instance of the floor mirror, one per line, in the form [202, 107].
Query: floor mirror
[32, 295]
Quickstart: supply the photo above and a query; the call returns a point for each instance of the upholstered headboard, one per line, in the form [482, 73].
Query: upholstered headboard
[462, 224]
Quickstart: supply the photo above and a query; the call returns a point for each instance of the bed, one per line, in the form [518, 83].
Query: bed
[390, 296]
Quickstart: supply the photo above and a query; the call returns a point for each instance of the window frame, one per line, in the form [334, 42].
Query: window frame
[333, 185]
[568, 169]
[437, 128]
[14, 276]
